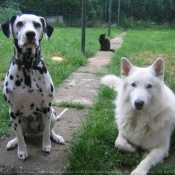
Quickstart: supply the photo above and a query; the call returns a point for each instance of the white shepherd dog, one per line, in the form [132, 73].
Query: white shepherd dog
[145, 112]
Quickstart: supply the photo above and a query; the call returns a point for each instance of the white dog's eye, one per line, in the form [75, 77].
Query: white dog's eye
[149, 86]
[19, 24]
[37, 25]
[133, 84]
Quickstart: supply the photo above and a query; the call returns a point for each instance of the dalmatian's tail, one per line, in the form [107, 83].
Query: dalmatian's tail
[60, 115]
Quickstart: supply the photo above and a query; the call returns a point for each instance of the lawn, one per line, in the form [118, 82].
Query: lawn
[92, 149]
[65, 42]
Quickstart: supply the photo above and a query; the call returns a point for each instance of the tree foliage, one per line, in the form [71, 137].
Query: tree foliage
[8, 9]
[158, 11]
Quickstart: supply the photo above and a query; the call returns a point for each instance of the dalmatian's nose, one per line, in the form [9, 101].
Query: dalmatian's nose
[30, 35]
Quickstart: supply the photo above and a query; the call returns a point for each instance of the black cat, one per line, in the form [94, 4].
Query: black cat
[104, 43]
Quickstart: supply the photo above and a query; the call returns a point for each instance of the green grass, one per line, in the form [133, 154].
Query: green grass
[92, 149]
[70, 105]
[65, 42]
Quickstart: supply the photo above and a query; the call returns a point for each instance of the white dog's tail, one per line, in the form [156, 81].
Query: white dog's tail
[112, 81]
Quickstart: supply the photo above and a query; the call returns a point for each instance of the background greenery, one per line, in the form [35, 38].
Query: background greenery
[133, 13]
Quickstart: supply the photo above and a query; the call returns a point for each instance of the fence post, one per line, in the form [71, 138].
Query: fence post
[118, 13]
[109, 22]
[83, 26]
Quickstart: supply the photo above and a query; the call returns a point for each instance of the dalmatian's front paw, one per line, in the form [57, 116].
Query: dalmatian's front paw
[12, 143]
[22, 155]
[46, 148]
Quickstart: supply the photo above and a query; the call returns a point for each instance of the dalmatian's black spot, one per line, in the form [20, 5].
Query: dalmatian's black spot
[6, 83]
[16, 125]
[35, 113]
[51, 95]
[32, 105]
[30, 90]
[41, 71]
[18, 83]
[19, 121]
[27, 81]
[5, 97]
[7, 90]
[11, 77]
[40, 90]
[44, 69]
[15, 128]
[51, 87]
[46, 110]
[12, 115]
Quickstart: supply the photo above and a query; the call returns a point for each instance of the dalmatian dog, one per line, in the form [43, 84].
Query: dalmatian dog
[28, 88]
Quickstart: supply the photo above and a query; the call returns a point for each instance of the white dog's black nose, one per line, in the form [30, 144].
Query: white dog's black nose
[30, 35]
[139, 104]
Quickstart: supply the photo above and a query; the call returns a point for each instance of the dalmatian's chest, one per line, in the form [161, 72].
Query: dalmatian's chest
[28, 91]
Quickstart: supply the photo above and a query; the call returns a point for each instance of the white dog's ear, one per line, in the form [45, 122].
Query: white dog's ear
[47, 28]
[126, 66]
[158, 67]
[6, 26]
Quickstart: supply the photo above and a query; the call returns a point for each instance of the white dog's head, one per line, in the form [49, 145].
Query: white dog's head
[141, 85]
[27, 30]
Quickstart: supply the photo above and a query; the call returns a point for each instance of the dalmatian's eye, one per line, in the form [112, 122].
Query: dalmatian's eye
[19, 24]
[37, 25]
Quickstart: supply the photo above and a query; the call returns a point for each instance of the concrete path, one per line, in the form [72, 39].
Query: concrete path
[80, 87]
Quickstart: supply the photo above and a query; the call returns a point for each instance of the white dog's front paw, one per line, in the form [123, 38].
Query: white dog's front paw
[124, 145]
[12, 143]
[46, 148]
[139, 171]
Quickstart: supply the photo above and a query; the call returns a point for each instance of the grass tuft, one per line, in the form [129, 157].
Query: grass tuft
[70, 105]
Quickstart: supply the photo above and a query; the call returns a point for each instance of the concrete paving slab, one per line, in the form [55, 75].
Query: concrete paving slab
[39, 162]
[78, 88]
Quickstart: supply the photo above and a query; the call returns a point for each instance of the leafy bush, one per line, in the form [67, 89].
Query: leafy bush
[8, 9]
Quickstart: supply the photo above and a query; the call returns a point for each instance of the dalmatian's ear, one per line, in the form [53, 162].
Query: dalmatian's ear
[47, 28]
[6, 26]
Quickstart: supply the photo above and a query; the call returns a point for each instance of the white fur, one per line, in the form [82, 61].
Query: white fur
[24, 24]
[145, 112]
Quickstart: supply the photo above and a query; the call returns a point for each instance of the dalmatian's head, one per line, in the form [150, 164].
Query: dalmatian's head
[27, 30]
